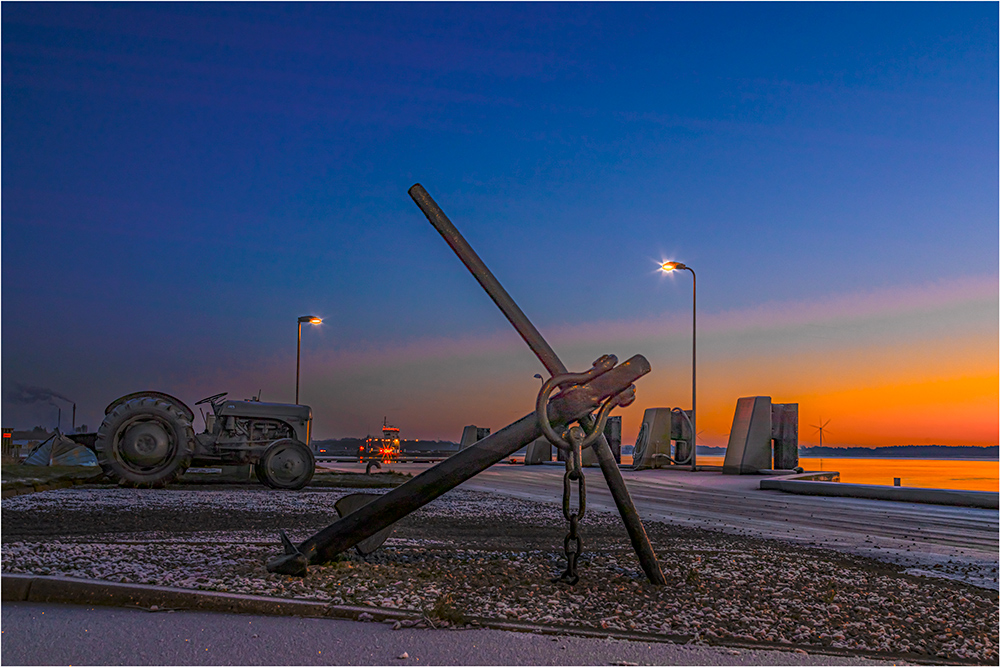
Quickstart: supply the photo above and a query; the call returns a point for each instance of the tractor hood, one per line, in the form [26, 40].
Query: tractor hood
[281, 411]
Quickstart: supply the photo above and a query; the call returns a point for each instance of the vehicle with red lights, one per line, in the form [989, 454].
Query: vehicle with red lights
[381, 450]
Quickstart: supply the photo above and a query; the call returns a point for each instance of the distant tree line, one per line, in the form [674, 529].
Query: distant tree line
[351, 446]
[902, 452]
[894, 452]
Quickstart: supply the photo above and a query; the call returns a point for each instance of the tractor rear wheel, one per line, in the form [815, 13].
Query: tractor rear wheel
[286, 464]
[145, 442]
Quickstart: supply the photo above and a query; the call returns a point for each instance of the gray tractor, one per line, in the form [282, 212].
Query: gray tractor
[146, 439]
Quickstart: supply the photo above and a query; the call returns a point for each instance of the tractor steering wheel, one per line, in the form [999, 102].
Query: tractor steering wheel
[212, 399]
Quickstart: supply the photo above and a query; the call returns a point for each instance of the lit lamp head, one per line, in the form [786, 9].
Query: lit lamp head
[667, 267]
[311, 319]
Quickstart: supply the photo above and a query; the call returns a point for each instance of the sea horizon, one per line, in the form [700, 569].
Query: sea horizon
[959, 474]
[921, 452]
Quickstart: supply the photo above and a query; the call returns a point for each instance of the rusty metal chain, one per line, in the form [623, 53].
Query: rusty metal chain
[573, 542]
[577, 439]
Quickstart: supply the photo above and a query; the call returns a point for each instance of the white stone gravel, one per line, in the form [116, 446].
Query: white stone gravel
[720, 588]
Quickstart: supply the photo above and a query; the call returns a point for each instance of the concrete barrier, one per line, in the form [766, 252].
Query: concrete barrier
[749, 447]
[909, 494]
[538, 452]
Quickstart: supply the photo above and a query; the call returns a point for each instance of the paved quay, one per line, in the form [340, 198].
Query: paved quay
[46, 634]
[934, 540]
[484, 555]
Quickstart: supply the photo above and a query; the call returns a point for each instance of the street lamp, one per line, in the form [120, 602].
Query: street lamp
[667, 267]
[311, 319]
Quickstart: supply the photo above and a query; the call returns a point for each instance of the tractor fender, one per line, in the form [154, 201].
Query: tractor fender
[152, 394]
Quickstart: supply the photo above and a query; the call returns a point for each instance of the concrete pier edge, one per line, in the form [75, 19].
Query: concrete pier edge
[800, 484]
[70, 590]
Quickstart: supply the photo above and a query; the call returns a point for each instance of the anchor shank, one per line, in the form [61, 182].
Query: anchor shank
[568, 406]
[482, 273]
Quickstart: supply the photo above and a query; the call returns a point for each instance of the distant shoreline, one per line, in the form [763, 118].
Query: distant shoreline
[890, 457]
[923, 452]
[920, 452]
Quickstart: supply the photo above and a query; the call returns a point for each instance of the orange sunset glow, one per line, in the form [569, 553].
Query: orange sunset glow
[902, 366]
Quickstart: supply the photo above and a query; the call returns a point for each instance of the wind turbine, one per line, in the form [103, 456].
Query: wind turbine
[820, 429]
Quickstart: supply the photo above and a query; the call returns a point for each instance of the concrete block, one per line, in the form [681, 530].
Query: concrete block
[539, 451]
[613, 432]
[749, 448]
[785, 434]
[473, 434]
[654, 439]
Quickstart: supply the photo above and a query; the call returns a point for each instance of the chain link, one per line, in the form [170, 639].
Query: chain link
[573, 445]
[573, 542]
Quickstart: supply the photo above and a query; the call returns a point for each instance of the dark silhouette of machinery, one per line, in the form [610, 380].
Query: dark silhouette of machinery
[147, 440]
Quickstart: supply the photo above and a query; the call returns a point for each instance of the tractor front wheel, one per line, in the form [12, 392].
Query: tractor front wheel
[286, 464]
[258, 470]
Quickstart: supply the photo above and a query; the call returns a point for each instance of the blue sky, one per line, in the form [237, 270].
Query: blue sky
[181, 182]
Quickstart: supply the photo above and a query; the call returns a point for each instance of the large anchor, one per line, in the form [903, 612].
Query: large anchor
[606, 385]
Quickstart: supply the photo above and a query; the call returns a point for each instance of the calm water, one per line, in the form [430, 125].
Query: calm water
[925, 473]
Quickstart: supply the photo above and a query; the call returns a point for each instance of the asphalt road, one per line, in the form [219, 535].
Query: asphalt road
[47, 634]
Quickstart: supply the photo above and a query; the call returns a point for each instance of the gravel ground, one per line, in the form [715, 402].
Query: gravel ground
[473, 555]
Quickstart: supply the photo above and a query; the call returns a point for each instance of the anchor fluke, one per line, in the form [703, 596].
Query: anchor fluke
[287, 543]
[293, 562]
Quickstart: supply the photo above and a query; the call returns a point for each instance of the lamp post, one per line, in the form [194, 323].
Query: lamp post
[311, 319]
[667, 267]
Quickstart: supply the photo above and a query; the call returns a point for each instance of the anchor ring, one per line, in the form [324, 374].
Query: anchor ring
[623, 398]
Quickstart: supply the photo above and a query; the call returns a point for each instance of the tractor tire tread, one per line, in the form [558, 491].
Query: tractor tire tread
[111, 424]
